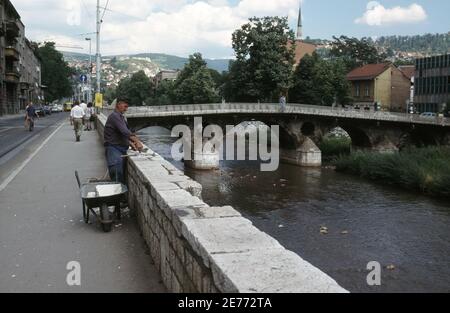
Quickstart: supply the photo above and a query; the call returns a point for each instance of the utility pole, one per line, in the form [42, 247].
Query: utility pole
[90, 69]
[99, 59]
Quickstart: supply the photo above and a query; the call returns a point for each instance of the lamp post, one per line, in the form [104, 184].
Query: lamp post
[90, 69]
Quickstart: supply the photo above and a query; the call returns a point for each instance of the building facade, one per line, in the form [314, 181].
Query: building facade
[382, 83]
[163, 75]
[432, 84]
[20, 67]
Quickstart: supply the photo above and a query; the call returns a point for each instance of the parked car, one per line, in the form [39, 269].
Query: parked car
[428, 115]
[57, 108]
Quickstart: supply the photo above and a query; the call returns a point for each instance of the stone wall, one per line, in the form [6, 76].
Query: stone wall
[207, 249]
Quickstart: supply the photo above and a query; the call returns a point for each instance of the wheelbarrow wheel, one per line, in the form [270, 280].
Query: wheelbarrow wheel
[107, 227]
[106, 218]
[85, 213]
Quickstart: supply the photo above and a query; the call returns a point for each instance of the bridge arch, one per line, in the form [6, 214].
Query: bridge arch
[360, 139]
[308, 129]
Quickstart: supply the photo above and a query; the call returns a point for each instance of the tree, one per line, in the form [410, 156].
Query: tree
[219, 79]
[264, 62]
[110, 94]
[164, 94]
[137, 89]
[320, 82]
[238, 83]
[195, 84]
[356, 52]
[56, 72]
[303, 90]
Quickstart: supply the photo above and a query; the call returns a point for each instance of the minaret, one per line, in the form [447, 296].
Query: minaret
[300, 26]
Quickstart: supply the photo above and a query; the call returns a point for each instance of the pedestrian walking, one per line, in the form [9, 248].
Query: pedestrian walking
[76, 117]
[30, 115]
[283, 103]
[89, 114]
[83, 105]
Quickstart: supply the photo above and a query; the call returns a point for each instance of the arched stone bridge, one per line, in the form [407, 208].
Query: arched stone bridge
[380, 131]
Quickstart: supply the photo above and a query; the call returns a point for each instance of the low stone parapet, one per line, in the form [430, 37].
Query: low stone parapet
[200, 248]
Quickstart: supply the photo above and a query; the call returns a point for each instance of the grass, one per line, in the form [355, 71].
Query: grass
[333, 147]
[423, 169]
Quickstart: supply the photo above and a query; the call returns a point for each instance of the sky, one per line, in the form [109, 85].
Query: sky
[182, 27]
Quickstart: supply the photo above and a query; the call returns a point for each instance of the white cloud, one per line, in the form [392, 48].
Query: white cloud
[178, 27]
[377, 15]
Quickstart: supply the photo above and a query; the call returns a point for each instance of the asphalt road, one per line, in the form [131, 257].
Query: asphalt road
[41, 227]
[17, 144]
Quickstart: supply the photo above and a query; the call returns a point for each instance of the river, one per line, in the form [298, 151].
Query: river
[365, 221]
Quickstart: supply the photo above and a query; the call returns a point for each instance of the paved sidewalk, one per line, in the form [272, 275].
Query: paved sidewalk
[12, 116]
[41, 227]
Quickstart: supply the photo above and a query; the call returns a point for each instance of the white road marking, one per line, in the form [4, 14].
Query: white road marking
[25, 163]
[5, 129]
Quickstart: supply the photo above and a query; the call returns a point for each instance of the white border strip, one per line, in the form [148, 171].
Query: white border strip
[17, 171]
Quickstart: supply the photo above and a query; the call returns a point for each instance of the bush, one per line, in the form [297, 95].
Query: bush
[424, 169]
[332, 147]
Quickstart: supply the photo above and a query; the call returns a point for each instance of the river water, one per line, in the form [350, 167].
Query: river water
[405, 231]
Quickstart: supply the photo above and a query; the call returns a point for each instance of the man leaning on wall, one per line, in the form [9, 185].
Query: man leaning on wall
[118, 138]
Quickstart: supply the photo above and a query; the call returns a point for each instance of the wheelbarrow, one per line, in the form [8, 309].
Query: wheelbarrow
[102, 195]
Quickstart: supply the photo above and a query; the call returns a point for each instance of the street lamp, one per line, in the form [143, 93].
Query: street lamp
[90, 69]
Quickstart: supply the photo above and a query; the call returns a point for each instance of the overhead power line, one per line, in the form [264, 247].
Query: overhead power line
[124, 14]
[104, 9]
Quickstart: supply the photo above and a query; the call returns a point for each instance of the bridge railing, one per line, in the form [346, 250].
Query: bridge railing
[275, 108]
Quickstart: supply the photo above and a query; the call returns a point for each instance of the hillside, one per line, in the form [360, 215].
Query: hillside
[162, 61]
[403, 46]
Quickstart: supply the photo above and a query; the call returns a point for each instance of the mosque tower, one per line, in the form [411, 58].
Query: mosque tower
[300, 26]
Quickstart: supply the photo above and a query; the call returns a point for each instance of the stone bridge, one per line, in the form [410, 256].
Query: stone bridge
[303, 127]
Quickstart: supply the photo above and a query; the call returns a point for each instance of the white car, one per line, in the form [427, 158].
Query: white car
[428, 115]
[56, 108]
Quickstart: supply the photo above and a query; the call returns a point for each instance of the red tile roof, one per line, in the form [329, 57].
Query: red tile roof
[368, 72]
[408, 70]
[302, 49]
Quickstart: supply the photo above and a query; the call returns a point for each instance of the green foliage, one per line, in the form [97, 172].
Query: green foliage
[56, 73]
[332, 147]
[424, 169]
[110, 94]
[320, 82]
[356, 52]
[404, 62]
[196, 84]
[164, 94]
[263, 66]
[238, 83]
[426, 44]
[137, 89]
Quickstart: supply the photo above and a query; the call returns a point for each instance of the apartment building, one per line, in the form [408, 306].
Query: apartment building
[432, 84]
[20, 67]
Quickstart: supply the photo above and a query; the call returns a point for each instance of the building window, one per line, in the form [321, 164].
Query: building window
[358, 92]
[367, 90]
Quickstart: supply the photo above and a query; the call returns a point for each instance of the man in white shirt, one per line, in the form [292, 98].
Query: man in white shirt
[84, 106]
[76, 116]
